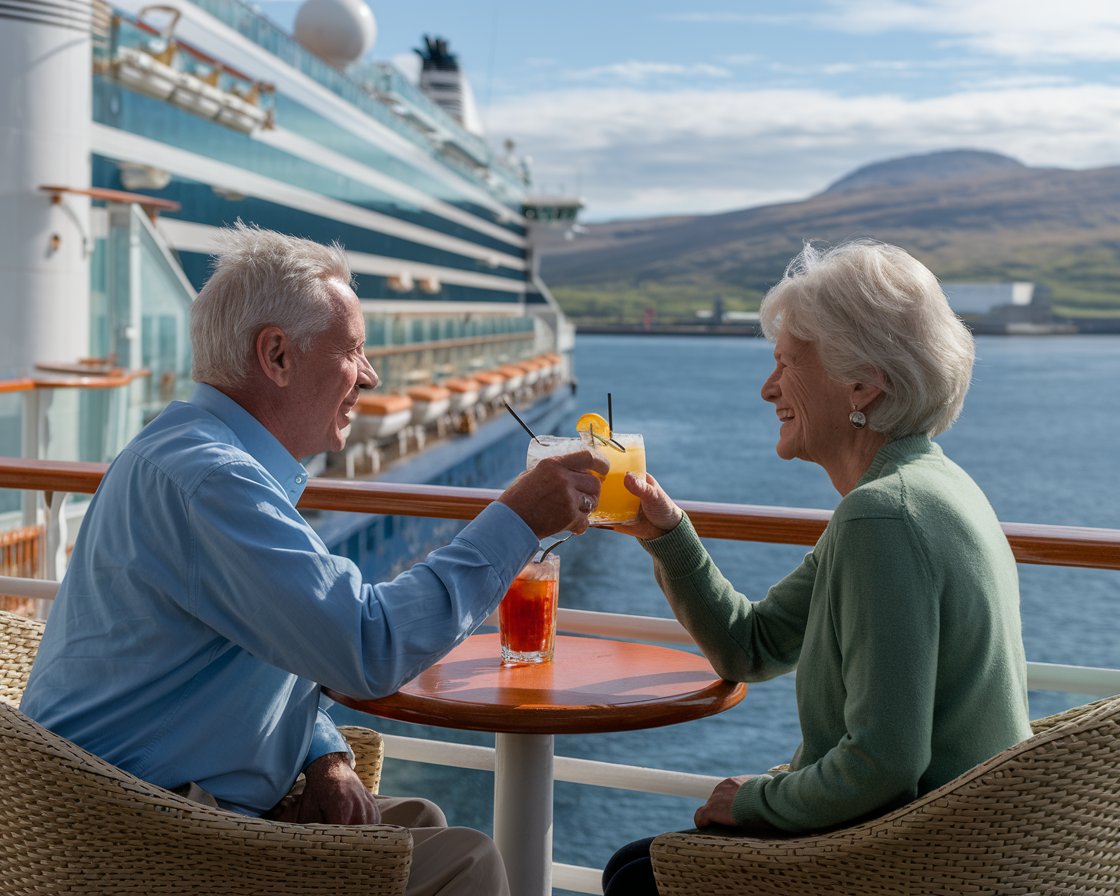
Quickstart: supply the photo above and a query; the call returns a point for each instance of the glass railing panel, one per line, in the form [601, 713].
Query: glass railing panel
[165, 297]
[11, 443]
[142, 315]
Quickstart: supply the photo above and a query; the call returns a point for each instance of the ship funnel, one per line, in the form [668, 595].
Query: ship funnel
[445, 84]
[337, 31]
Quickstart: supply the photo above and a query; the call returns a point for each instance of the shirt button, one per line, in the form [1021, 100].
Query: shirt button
[299, 479]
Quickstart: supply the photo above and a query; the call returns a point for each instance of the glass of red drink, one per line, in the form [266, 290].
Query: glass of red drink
[527, 614]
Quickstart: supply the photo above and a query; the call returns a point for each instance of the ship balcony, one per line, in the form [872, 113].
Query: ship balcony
[1060, 546]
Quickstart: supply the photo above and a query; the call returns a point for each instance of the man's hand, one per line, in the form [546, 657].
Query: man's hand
[558, 493]
[333, 794]
[659, 514]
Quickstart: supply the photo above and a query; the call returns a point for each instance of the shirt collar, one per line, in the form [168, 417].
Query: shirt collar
[255, 439]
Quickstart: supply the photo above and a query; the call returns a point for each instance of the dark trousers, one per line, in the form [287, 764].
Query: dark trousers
[630, 871]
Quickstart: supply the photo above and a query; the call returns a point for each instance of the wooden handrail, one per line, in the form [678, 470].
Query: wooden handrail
[75, 380]
[1031, 543]
[151, 204]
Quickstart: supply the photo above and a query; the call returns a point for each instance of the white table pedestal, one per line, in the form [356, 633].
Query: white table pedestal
[523, 765]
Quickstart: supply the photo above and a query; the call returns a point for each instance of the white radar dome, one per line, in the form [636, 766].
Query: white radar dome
[337, 31]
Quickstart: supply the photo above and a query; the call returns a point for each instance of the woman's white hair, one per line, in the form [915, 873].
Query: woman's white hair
[261, 278]
[878, 315]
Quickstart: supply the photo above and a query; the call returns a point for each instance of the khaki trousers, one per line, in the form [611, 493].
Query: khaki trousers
[445, 861]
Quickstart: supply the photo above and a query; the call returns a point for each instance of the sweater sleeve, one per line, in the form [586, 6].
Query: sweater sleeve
[883, 607]
[743, 640]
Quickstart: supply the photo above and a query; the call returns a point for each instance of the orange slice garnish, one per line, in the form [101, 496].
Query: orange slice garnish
[593, 423]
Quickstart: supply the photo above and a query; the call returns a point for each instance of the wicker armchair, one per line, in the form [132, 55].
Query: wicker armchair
[19, 639]
[72, 823]
[1042, 817]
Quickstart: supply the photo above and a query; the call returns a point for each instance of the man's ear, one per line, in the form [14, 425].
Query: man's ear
[273, 353]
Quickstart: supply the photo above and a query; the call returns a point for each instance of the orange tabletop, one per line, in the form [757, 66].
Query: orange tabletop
[593, 684]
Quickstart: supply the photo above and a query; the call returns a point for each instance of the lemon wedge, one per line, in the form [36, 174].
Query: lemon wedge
[593, 423]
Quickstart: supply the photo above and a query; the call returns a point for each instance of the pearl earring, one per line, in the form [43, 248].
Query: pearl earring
[858, 419]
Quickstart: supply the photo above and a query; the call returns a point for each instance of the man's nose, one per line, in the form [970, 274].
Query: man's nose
[367, 376]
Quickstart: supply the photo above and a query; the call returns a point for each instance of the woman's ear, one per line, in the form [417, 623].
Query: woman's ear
[864, 394]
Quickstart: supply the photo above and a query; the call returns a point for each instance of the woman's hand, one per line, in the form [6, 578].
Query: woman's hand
[717, 810]
[659, 514]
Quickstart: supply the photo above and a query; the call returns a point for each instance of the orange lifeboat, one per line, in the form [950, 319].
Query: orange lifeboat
[515, 377]
[492, 384]
[465, 392]
[381, 416]
[429, 403]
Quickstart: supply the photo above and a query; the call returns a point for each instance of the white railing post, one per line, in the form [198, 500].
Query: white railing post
[52, 563]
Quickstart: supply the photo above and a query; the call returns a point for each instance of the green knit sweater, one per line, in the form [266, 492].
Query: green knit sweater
[903, 625]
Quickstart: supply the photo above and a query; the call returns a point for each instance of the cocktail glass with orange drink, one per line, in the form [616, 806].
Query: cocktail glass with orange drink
[527, 614]
[626, 453]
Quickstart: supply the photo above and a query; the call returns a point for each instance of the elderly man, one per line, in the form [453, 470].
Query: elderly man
[201, 614]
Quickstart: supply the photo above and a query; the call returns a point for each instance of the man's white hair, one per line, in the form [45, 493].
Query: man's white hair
[261, 278]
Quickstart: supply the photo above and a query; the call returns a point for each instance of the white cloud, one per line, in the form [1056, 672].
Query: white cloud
[632, 72]
[632, 153]
[1024, 29]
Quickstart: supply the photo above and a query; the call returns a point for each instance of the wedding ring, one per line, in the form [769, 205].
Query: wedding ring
[586, 504]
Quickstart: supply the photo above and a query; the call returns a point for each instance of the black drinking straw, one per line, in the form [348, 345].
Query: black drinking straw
[610, 426]
[532, 434]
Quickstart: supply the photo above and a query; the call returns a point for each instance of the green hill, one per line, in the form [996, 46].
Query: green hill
[972, 216]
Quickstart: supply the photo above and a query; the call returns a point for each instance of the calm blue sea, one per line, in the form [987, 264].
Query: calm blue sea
[1039, 433]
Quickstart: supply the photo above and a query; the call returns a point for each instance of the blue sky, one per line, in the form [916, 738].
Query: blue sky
[655, 107]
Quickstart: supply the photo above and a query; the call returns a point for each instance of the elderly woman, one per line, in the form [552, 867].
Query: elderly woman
[903, 621]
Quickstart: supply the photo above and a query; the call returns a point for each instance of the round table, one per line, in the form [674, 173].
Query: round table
[592, 685]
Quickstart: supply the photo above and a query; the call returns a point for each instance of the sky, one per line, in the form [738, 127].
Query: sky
[646, 108]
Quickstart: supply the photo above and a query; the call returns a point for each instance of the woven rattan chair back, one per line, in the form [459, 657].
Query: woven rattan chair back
[72, 823]
[19, 639]
[1042, 817]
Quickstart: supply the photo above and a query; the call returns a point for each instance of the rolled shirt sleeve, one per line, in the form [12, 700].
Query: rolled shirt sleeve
[326, 739]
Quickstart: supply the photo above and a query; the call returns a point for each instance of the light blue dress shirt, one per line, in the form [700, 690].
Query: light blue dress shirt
[200, 613]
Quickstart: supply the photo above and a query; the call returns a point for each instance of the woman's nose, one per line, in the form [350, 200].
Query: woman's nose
[770, 389]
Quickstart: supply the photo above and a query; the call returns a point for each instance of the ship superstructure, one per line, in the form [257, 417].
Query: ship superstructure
[165, 122]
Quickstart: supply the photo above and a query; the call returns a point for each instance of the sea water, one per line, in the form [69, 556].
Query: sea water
[1039, 433]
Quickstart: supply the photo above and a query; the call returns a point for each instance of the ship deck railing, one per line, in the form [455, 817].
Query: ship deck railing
[1062, 546]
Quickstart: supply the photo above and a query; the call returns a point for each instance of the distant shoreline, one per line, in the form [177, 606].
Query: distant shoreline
[1086, 327]
[670, 330]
